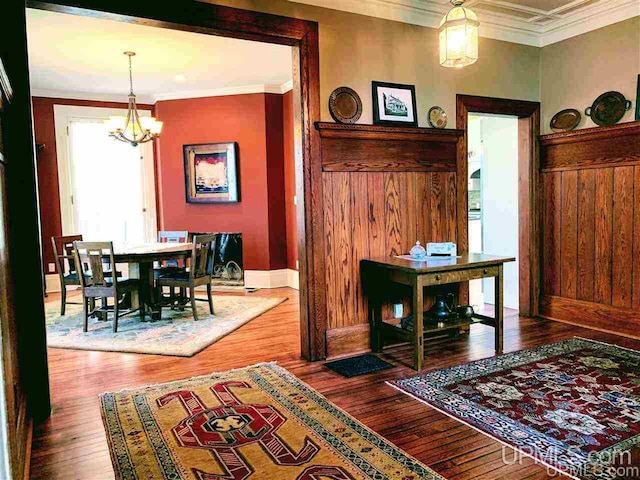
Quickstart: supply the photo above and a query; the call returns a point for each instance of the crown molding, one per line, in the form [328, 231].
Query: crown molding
[494, 25]
[90, 96]
[152, 99]
[590, 18]
[429, 14]
[286, 87]
[220, 92]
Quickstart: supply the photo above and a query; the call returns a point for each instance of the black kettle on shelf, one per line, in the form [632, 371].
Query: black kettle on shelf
[442, 310]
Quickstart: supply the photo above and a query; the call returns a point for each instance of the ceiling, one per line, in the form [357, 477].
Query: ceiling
[529, 22]
[82, 57]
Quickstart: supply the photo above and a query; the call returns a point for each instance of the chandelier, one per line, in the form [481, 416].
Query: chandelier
[133, 128]
[459, 37]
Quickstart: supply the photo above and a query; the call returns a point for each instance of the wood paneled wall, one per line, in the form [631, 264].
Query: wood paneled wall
[375, 205]
[591, 228]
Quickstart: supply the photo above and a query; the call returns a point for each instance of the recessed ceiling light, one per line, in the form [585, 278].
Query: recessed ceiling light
[180, 78]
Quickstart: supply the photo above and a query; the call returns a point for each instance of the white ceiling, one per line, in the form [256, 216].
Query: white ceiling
[529, 22]
[82, 57]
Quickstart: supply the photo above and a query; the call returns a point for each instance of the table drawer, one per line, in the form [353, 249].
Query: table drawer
[459, 275]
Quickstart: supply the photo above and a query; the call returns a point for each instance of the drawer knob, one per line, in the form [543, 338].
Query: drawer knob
[438, 277]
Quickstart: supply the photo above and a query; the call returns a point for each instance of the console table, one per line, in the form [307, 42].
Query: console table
[378, 275]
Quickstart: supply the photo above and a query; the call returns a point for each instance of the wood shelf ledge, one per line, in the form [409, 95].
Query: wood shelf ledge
[591, 134]
[376, 148]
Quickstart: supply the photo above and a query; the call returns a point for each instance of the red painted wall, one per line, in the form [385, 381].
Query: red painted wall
[250, 121]
[289, 180]
[257, 122]
[47, 160]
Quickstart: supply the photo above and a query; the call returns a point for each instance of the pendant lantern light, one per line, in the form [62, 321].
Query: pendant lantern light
[459, 37]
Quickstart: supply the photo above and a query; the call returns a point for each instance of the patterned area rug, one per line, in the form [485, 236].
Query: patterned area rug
[259, 422]
[176, 334]
[573, 405]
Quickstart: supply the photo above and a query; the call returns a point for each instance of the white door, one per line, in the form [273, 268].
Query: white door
[109, 190]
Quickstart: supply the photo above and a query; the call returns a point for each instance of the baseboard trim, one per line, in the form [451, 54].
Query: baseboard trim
[271, 278]
[603, 318]
[293, 279]
[348, 341]
[52, 282]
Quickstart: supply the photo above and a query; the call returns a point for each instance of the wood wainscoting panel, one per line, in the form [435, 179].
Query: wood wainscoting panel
[551, 241]
[384, 188]
[603, 231]
[384, 214]
[586, 234]
[622, 261]
[636, 240]
[591, 237]
[569, 234]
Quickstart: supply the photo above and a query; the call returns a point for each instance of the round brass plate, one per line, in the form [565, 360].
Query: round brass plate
[437, 117]
[565, 120]
[345, 105]
[608, 109]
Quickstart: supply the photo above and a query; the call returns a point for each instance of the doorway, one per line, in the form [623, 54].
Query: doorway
[527, 117]
[493, 201]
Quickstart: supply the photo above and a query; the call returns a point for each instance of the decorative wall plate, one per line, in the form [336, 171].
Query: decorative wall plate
[608, 109]
[565, 120]
[345, 105]
[437, 117]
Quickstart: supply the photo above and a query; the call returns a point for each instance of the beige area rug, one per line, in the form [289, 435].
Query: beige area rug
[254, 423]
[176, 334]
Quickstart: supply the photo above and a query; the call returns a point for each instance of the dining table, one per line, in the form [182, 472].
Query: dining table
[140, 259]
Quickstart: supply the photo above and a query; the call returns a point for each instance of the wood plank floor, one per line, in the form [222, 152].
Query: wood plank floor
[72, 443]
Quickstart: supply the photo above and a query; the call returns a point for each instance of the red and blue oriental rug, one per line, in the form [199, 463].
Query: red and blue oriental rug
[573, 406]
[254, 423]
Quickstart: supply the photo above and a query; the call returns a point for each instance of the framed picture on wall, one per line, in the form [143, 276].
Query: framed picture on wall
[211, 173]
[394, 104]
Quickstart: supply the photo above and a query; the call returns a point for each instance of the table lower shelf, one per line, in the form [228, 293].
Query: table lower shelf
[430, 330]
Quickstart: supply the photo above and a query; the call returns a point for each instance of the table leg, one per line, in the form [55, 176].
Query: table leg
[134, 272]
[375, 318]
[418, 325]
[499, 306]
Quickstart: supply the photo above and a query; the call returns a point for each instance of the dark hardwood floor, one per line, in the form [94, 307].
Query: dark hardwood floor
[72, 444]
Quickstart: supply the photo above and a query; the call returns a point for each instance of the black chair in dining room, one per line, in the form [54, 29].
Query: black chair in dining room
[200, 272]
[168, 266]
[66, 266]
[97, 282]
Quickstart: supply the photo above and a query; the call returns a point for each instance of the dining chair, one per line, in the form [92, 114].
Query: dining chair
[168, 236]
[97, 282]
[66, 266]
[200, 272]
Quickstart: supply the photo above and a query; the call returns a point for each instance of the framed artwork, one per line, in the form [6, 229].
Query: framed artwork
[211, 173]
[394, 104]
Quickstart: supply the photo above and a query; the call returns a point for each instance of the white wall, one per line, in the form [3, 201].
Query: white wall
[497, 140]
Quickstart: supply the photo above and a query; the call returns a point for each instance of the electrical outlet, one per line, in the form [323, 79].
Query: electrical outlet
[397, 310]
[52, 267]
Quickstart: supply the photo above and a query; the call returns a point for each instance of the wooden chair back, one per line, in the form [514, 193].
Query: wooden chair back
[90, 258]
[193, 235]
[166, 236]
[63, 253]
[204, 247]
